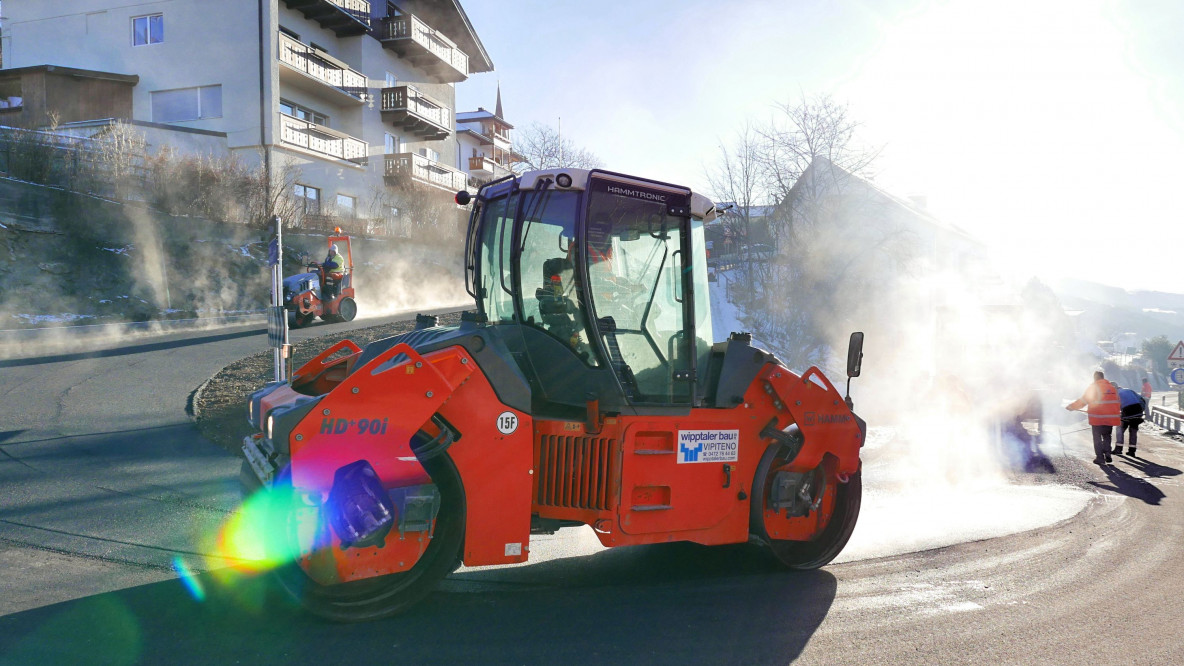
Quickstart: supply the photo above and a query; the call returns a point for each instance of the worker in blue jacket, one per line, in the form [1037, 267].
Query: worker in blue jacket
[1132, 408]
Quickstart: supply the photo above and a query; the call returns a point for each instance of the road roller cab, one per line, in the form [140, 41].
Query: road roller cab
[585, 389]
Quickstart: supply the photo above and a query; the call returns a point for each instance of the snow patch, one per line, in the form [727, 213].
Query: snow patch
[1158, 311]
[62, 318]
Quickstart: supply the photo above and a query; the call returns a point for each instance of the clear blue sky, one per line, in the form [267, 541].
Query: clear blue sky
[1049, 129]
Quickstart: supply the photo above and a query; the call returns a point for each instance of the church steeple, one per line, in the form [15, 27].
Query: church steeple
[498, 109]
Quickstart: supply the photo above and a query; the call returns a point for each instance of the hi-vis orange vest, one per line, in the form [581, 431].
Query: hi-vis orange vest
[1104, 409]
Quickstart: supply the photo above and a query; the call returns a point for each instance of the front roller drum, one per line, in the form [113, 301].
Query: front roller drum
[826, 499]
[380, 596]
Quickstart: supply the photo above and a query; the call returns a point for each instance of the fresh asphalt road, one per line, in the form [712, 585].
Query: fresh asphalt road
[106, 484]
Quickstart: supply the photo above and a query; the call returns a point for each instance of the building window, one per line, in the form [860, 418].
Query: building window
[148, 29]
[170, 106]
[11, 95]
[303, 113]
[390, 143]
[308, 199]
[430, 154]
[390, 81]
[346, 205]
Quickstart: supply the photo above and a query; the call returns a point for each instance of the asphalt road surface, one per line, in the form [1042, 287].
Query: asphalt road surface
[107, 489]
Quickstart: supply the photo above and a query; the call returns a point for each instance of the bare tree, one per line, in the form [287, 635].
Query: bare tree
[423, 213]
[541, 147]
[119, 156]
[804, 130]
[806, 163]
[264, 202]
[737, 182]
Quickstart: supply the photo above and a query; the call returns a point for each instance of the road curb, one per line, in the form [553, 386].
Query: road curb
[191, 407]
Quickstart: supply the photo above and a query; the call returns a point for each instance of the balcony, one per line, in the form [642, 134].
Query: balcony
[319, 73]
[485, 168]
[422, 170]
[321, 140]
[415, 113]
[424, 47]
[346, 18]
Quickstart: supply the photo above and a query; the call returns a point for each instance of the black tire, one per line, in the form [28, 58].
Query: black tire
[347, 309]
[297, 320]
[827, 545]
[379, 597]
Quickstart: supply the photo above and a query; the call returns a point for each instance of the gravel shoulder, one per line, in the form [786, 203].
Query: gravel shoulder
[219, 405]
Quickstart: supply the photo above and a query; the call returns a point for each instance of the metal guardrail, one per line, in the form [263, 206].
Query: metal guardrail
[1169, 419]
[321, 139]
[312, 62]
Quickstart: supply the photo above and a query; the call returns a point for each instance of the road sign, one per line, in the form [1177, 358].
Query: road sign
[1176, 358]
[1177, 376]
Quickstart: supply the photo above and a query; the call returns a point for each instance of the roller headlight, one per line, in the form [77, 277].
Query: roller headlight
[270, 426]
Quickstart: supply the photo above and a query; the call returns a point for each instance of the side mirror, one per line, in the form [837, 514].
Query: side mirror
[855, 354]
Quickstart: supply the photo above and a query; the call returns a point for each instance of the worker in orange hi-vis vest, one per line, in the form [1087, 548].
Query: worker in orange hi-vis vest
[1104, 414]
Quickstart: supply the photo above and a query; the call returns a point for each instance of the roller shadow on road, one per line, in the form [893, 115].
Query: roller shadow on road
[695, 612]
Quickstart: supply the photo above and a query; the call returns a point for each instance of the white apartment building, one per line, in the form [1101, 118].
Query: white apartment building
[484, 148]
[356, 95]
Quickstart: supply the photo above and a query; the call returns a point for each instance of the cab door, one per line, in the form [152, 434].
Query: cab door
[675, 468]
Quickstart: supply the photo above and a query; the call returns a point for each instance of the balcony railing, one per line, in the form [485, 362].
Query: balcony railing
[420, 169]
[322, 140]
[407, 108]
[344, 17]
[425, 47]
[481, 166]
[319, 66]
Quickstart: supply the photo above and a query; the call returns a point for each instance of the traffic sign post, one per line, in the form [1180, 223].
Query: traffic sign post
[1177, 376]
[1176, 358]
[277, 317]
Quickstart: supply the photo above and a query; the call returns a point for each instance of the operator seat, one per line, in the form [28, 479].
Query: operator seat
[555, 308]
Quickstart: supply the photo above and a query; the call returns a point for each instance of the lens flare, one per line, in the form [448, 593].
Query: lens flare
[255, 538]
[188, 578]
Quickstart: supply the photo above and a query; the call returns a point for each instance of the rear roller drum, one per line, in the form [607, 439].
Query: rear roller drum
[347, 309]
[828, 542]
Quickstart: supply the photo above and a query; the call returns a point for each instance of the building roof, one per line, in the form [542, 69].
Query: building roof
[450, 17]
[481, 138]
[820, 163]
[13, 72]
[481, 114]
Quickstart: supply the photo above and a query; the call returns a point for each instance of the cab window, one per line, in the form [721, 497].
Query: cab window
[635, 272]
[493, 278]
[546, 270]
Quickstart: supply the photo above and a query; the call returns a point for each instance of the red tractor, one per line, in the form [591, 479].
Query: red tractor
[585, 389]
[326, 291]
